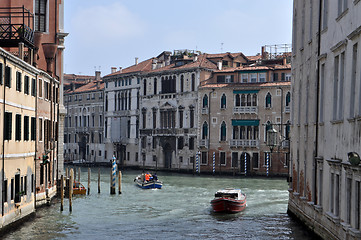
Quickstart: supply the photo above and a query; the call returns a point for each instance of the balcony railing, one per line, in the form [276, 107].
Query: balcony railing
[244, 143]
[246, 110]
[16, 26]
[203, 143]
[204, 110]
[287, 109]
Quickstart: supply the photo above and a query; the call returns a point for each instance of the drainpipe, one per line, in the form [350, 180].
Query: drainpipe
[317, 103]
[3, 147]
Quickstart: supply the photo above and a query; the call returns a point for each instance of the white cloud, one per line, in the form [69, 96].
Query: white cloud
[106, 23]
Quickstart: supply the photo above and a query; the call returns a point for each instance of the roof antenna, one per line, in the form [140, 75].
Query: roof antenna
[222, 47]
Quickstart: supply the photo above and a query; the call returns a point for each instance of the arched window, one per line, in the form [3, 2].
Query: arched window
[182, 83]
[238, 100]
[223, 131]
[249, 100]
[205, 101]
[223, 101]
[249, 132]
[205, 130]
[288, 99]
[193, 82]
[243, 100]
[255, 132]
[235, 132]
[254, 100]
[242, 132]
[268, 100]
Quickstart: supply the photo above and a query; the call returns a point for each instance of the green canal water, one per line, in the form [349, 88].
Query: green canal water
[180, 210]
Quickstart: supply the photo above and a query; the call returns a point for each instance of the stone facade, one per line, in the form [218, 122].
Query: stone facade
[325, 190]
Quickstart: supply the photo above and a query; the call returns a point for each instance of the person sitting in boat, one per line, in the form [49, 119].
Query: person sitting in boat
[147, 177]
[155, 177]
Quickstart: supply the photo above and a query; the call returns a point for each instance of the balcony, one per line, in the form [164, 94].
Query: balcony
[203, 143]
[204, 111]
[16, 26]
[245, 110]
[287, 109]
[244, 143]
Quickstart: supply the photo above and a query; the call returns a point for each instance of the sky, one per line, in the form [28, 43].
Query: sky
[112, 33]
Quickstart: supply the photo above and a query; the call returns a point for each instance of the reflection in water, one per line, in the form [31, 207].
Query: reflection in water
[181, 210]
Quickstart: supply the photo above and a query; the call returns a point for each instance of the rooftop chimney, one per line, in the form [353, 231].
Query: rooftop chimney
[136, 61]
[97, 75]
[113, 69]
[120, 69]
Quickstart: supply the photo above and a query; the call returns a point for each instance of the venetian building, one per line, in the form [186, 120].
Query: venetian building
[31, 77]
[325, 191]
[239, 104]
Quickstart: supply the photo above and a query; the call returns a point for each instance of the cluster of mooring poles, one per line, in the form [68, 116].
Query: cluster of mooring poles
[65, 183]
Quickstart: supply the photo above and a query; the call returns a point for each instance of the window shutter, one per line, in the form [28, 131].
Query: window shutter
[8, 76]
[1, 73]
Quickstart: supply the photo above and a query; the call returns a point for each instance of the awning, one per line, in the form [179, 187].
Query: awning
[244, 91]
[245, 122]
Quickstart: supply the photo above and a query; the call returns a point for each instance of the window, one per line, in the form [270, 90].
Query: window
[353, 81]
[154, 143]
[342, 6]
[144, 117]
[288, 99]
[244, 78]
[145, 87]
[325, 15]
[191, 118]
[262, 77]
[223, 101]
[255, 160]
[205, 101]
[40, 88]
[234, 159]
[181, 83]
[223, 131]
[204, 159]
[222, 158]
[180, 118]
[193, 82]
[288, 77]
[155, 86]
[40, 129]
[275, 77]
[33, 128]
[33, 87]
[180, 142]
[225, 63]
[26, 128]
[18, 127]
[229, 78]
[26, 85]
[191, 143]
[254, 100]
[8, 125]
[268, 100]
[5, 190]
[8, 77]
[237, 100]
[253, 77]
[40, 15]
[205, 130]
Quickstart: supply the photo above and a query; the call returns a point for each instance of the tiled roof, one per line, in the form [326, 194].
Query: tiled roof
[254, 68]
[246, 85]
[144, 66]
[92, 86]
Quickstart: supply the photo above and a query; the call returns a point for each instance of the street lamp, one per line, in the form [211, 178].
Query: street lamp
[271, 140]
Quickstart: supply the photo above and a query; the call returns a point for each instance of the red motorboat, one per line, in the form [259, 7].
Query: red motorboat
[229, 200]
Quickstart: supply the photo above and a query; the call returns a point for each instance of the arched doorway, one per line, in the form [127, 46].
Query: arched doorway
[167, 149]
[245, 163]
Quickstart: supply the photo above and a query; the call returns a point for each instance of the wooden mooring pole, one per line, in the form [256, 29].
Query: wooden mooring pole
[71, 182]
[62, 193]
[88, 181]
[120, 182]
[99, 180]
[79, 171]
[113, 173]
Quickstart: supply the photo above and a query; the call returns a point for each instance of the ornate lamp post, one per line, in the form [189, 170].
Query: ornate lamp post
[271, 142]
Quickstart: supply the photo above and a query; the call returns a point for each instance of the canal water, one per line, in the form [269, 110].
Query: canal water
[180, 210]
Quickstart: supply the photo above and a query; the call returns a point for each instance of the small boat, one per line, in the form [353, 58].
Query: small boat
[78, 188]
[229, 200]
[153, 182]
